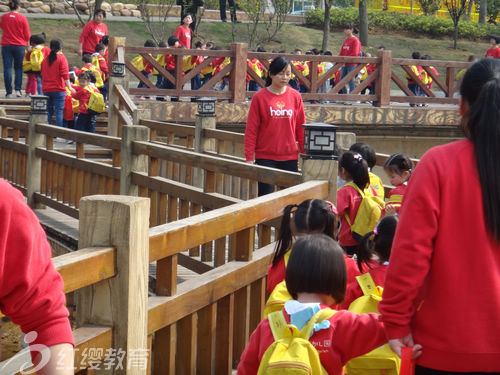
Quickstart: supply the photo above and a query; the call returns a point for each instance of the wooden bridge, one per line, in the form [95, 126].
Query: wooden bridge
[180, 196]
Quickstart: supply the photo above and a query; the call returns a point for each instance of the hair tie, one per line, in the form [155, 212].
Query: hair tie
[332, 207]
[357, 156]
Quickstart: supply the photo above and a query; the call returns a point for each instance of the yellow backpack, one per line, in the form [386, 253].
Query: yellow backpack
[96, 103]
[291, 352]
[382, 360]
[368, 213]
[277, 299]
[98, 75]
[36, 58]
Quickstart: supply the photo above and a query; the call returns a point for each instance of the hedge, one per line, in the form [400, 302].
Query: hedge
[393, 21]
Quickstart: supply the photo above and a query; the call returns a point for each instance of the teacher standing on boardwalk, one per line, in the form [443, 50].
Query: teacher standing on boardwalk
[15, 37]
[274, 133]
[442, 288]
[92, 33]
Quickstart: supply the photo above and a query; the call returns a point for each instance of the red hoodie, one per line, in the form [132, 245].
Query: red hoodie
[91, 35]
[31, 290]
[15, 29]
[443, 280]
[54, 75]
[274, 126]
[351, 47]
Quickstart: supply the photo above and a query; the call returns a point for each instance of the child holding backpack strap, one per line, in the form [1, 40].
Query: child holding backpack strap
[372, 257]
[316, 278]
[354, 169]
[398, 168]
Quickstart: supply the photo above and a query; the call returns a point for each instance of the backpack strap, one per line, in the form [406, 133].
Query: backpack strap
[278, 324]
[367, 285]
[355, 187]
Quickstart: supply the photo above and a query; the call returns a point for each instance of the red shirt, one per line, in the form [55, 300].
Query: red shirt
[184, 34]
[91, 35]
[350, 335]
[31, 290]
[493, 52]
[353, 290]
[53, 76]
[82, 94]
[351, 47]
[15, 29]
[398, 192]
[348, 201]
[103, 66]
[274, 126]
[443, 280]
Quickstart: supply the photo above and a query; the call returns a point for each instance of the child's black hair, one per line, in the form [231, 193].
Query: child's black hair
[87, 58]
[366, 151]
[172, 40]
[199, 44]
[277, 65]
[312, 215]
[149, 43]
[378, 242]
[162, 44]
[398, 163]
[104, 40]
[101, 11]
[480, 89]
[317, 265]
[87, 75]
[99, 47]
[415, 55]
[357, 167]
[37, 39]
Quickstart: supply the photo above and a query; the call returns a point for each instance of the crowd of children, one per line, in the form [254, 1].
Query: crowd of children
[311, 272]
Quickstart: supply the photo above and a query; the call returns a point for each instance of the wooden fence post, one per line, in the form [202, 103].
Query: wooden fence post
[122, 301]
[205, 119]
[317, 169]
[34, 162]
[115, 44]
[130, 161]
[383, 81]
[238, 83]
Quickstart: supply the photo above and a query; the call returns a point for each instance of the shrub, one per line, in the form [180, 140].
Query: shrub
[393, 21]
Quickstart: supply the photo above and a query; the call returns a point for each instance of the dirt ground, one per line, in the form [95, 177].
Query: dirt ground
[10, 342]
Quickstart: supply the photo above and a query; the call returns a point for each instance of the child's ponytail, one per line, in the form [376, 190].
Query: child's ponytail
[357, 168]
[285, 237]
[378, 242]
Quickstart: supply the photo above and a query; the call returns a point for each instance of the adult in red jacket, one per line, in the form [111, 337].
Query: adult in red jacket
[92, 33]
[15, 37]
[274, 133]
[31, 290]
[350, 47]
[442, 288]
[55, 79]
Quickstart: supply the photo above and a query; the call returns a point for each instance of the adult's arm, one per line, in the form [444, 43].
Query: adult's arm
[26, 31]
[412, 249]
[61, 361]
[83, 35]
[252, 129]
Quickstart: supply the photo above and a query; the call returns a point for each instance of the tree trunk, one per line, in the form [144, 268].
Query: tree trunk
[363, 23]
[483, 11]
[455, 36]
[326, 25]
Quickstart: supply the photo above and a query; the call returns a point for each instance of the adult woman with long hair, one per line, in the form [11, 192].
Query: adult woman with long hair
[442, 288]
[55, 79]
[274, 132]
[15, 37]
[92, 33]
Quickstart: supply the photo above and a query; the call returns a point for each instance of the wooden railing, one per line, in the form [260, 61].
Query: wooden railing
[387, 70]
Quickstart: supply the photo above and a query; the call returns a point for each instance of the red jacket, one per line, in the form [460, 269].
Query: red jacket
[184, 34]
[351, 47]
[31, 290]
[443, 280]
[53, 76]
[83, 95]
[353, 290]
[91, 35]
[15, 29]
[493, 52]
[350, 335]
[274, 126]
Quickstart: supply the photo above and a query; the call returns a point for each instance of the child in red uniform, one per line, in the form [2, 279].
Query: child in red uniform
[37, 46]
[274, 133]
[373, 257]
[310, 216]
[368, 153]
[316, 279]
[352, 167]
[144, 66]
[398, 168]
[494, 50]
[184, 32]
[173, 42]
[97, 77]
[85, 121]
[100, 62]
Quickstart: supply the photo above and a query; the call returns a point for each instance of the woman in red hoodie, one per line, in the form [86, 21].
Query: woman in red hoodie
[274, 133]
[15, 36]
[351, 47]
[442, 287]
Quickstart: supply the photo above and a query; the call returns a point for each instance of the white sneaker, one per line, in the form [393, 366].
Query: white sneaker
[9, 96]
[18, 93]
